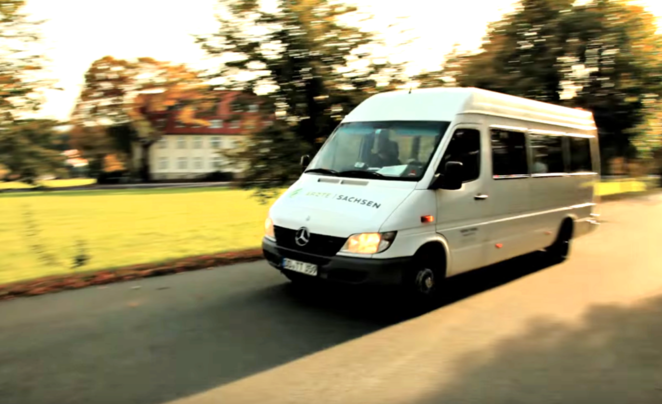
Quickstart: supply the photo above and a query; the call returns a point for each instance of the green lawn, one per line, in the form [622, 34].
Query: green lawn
[75, 182]
[125, 227]
[620, 187]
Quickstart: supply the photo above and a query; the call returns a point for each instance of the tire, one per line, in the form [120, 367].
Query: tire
[560, 250]
[424, 280]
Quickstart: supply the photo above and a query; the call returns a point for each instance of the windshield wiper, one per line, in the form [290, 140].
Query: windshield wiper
[360, 174]
[321, 171]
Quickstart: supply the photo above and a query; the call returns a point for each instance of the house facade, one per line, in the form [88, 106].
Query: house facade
[187, 152]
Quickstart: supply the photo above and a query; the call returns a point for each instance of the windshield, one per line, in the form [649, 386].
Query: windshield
[398, 150]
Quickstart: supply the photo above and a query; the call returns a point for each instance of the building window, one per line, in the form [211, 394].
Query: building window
[179, 125]
[509, 157]
[229, 143]
[235, 125]
[216, 162]
[181, 142]
[163, 143]
[216, 123]
[215, 142]
[197, 142]
[253, 108]
[464, 147]
[197, 163]
[163, 163]
[182, 163]
[547, 154]
[250, 126]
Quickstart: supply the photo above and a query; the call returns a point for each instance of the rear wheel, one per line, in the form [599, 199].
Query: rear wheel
[560, 250]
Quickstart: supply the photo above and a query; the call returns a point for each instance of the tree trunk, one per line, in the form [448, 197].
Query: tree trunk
[145, 171]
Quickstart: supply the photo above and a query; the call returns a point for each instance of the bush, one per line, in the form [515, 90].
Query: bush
[113, 177]
[218, 176]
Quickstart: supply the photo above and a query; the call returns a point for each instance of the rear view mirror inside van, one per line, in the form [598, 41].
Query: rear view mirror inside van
[451, 178]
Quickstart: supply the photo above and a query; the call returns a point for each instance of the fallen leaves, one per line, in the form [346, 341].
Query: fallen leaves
[53, 284]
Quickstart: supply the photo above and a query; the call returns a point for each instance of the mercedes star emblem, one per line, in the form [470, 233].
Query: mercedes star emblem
[302, 237]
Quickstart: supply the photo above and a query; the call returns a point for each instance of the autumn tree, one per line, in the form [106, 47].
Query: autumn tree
[26, 145]
[94, 143]
[600, 55]
[311, 67]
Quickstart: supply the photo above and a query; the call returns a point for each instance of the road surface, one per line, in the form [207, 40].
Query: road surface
[586, 331]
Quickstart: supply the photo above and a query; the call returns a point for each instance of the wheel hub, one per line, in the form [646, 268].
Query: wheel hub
[425, 281]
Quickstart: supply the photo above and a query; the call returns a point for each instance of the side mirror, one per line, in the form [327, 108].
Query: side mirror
[304, 162]
[451, 178]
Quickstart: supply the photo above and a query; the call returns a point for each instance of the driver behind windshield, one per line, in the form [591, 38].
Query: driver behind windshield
[387, 151]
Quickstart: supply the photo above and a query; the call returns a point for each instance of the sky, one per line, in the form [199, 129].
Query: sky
[77, 32]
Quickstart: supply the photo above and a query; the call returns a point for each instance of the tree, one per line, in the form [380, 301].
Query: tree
[29, 148]
[120, 97]
[310, 67]
[94, 143]
[25, 144]
[601, 55]
[620, 69]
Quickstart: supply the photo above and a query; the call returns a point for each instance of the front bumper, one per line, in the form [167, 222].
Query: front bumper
[347, 270]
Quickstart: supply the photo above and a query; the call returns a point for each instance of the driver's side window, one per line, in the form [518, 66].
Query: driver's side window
[464, 147]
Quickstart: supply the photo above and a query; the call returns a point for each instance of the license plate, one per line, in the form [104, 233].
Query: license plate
[301, 267]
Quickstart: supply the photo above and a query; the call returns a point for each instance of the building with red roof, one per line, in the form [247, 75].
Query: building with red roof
[191, 151]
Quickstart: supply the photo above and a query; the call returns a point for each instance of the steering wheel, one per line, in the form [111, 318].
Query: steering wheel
[413, 167]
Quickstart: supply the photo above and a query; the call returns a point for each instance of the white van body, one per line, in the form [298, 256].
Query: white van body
[529, 183]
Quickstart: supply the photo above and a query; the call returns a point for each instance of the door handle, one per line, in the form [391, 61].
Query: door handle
[481, 197]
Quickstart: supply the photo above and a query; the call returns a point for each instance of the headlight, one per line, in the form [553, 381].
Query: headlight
[269, 228]
[368, 243]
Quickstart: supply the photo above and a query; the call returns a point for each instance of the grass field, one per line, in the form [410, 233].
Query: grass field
[125, 227]
[620, 187]
[122, 227]
[75, 182]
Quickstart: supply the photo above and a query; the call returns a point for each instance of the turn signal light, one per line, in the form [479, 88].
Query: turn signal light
[427, 219]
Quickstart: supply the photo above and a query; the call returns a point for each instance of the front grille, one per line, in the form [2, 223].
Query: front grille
[319, 244]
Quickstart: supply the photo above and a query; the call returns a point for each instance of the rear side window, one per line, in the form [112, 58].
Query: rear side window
[547, 152]
[465, 148]
[508, 154]
[580, 155]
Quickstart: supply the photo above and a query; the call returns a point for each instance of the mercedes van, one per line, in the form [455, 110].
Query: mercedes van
[416, 186]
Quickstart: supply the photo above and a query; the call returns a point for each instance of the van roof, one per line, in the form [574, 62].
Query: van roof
[443, 104]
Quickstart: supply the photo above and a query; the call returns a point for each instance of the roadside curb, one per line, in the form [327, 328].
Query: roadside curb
[52, 284]
[118, 187]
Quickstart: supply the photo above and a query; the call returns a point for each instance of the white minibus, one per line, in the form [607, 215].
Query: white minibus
[416, 186]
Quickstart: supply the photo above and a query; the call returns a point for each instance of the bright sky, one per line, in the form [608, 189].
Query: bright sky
[81, 31]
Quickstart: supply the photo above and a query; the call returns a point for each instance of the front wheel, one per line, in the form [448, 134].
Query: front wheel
[424, 281]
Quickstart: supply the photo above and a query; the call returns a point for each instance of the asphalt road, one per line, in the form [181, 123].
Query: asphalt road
[586, 331]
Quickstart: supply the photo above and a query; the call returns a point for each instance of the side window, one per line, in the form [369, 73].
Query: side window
[508, 154]
[547, 152]
[465, 148]
[580, 155]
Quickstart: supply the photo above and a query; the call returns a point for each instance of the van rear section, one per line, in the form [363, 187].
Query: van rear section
[414, 187]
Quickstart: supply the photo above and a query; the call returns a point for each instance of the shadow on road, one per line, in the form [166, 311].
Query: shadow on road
[612, 356]
[180, 335]
[384, 307]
